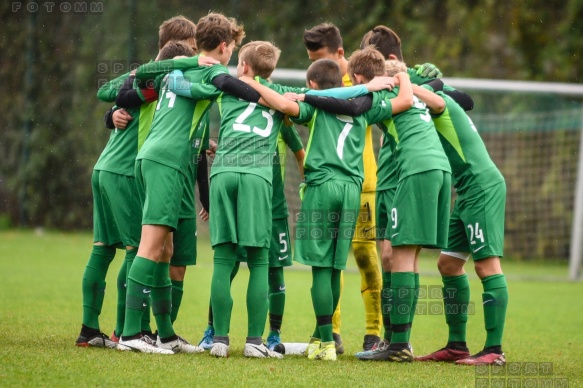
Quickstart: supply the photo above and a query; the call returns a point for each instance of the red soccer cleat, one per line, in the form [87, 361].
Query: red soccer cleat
[445, 355]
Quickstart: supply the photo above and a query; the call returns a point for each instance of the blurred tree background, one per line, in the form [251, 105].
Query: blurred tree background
[54, 59]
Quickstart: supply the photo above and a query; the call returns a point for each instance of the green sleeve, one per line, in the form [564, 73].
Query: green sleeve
[291, 137]
[108, 91]
[306, 113]
[151, 70]
[380, 111]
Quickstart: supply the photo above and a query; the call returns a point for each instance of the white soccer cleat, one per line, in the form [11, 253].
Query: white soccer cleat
[219, 349]
[259, 351]
[179, 345]
[143, 345]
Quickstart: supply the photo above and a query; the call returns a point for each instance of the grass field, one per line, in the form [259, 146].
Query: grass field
[40, 317]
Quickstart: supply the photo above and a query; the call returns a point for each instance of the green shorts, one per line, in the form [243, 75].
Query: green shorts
[384, 205]
[184, 240]
[117, 212]
[160, 188]
[365, 223]
[325, 224]
[420, 210]
[240, 210]
[476, 224]
[280, 248]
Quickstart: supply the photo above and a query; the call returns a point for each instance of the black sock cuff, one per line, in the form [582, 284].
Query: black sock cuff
[168, 339]
[324, 320]
[401, 328]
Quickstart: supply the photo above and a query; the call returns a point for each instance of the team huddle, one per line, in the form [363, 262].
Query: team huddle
[144, 201]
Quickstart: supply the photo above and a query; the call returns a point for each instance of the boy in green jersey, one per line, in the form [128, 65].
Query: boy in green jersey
[116, 206]
[476, 227]
[241, 198]
[422, 192]
[160, 171]
[334, 173]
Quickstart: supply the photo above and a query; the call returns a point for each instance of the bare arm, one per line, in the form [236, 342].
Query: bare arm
[435, 103]
[274, 99]
[300, 155]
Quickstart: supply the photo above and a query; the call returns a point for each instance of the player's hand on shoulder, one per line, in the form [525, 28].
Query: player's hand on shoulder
[292, 96]
[428, 70]
[380, 83]
[204, 60]
[121, 118]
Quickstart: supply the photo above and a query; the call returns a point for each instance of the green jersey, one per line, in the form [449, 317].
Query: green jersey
[472, 169]
[176, 118]
[247, 137]
[418, 148]
[288, 137]
[199, 143]
[336, 142]
[119, 154]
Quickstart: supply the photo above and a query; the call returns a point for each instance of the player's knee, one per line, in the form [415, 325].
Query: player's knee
[177, 272]
[450, 266]
[488, 267]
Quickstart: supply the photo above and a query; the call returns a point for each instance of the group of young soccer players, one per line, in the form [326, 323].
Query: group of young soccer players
[143, 185]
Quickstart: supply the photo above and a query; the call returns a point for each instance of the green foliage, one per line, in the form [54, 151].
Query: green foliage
[53, 130]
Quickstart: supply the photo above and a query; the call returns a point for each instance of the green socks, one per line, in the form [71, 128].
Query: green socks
[403, 290]
[257, 289]
[148, 279]
[276, 299]
[221, 300]
[456, 300]
[177, 292]
[495, 302]
[122, 278]
[386, 305]
[325, 295]
[415, 298]
[93, 284]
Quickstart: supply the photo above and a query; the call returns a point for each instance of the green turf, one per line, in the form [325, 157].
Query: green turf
[40, 316]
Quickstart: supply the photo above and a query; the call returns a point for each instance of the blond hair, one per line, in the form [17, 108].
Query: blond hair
[394, 66]
[261, 56]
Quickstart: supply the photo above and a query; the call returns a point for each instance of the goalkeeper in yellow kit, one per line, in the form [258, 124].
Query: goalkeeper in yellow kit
[324, 41]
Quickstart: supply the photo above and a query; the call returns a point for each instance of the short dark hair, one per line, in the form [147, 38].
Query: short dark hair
[326, 73]
[323, 35]
[386, 41]
[173, 49]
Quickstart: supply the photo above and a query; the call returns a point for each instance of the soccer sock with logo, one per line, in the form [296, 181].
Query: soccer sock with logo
[495, 302]
[276, 299]
[93, 284]
[386, 305]
[456, 299]
[161, 299]
[257, 290]
[403, 289]
[323, 302]
[122, 278]
[415, 299]
[177, 292]
[139, 288]
[221, 300]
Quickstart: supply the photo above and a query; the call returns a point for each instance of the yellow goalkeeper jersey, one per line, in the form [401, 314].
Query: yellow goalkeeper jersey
[370, 164]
